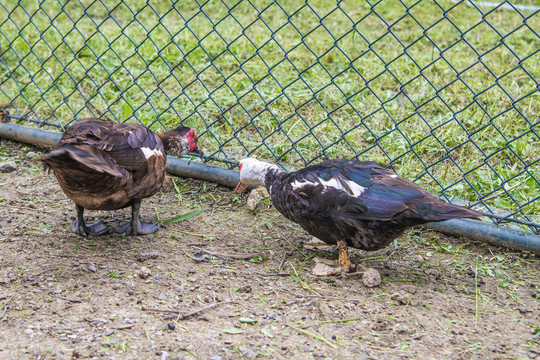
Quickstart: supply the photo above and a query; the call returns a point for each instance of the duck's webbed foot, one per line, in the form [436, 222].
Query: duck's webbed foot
[84, 229]
[81, 228]
[135, 226]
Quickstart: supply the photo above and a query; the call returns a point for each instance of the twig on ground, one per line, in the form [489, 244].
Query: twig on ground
[267, 274]
[195, 312]
[233, 256]
[125, 327]
[161, 310]
[339, 321]
[195, 234]
[71, 300]
[313, 335]
[330, 298]
[183, 316]
[4, 307]
[283, 261]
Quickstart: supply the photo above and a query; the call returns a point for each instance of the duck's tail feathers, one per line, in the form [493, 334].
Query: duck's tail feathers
[442, 211]
[84, 158]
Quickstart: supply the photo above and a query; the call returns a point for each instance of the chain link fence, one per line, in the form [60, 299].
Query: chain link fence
[446, 93]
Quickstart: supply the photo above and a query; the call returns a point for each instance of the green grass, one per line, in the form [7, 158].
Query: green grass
[250, 80]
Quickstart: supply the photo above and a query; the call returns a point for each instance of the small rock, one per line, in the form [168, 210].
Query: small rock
[323, 269]
[371, 278]
[109, 332]
[162, 297]
[31, 154]
[400, 329]
[247, 352]
[216, 357]
[148, 256]
[144, 273]
[8, 166]
[256, 199]
[523, 310]
[400, 298]
[171, 326]
[245, 289]
[92, 268]
[272, 316]
[116, 286]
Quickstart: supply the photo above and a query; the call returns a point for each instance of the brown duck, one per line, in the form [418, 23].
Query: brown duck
[348, 202]
[103, 165]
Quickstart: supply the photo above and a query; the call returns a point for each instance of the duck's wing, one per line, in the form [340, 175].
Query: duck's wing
[82, 159]
[129, 145]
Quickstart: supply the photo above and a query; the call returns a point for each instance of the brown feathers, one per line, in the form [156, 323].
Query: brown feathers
[104, 165]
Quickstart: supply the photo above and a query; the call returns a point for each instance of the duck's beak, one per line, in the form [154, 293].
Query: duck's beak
[197, 150]
[240, 187]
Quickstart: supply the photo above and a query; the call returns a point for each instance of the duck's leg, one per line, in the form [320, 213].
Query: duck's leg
[81, 228]
[135, 226]
[344, 260]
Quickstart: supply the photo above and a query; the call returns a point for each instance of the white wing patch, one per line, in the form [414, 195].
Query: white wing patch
[348, 186]
[300, 184]
[148, 153]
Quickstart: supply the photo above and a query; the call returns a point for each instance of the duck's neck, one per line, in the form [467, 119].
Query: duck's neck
[272, 173]
[174, 145]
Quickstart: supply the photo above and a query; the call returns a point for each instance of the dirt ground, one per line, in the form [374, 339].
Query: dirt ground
[146, 297]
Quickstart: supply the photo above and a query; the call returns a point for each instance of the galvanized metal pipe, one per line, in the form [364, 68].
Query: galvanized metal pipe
[475, 230]
[197, 170]
[489, 233]
[29, 135]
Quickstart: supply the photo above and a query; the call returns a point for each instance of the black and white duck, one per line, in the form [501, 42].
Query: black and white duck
[348, 202]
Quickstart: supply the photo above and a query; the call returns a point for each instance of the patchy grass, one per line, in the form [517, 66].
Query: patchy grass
[448, 96]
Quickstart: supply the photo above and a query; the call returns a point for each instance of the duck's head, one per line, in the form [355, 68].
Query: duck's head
[252, 171]
[180, 141]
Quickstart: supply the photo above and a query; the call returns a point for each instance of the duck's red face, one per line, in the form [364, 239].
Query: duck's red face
[192, 138]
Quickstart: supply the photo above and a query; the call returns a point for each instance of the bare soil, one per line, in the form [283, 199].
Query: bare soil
[146, 297]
